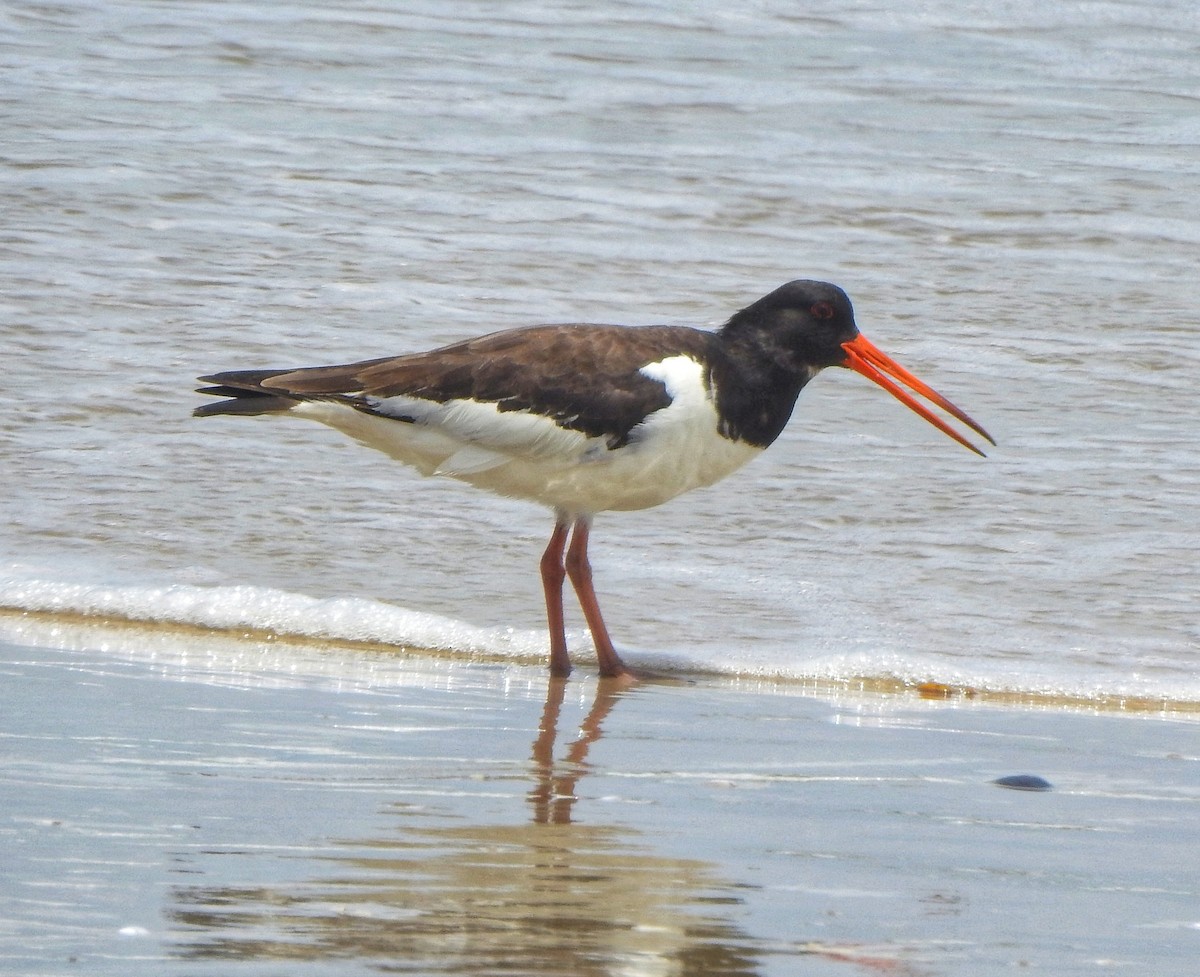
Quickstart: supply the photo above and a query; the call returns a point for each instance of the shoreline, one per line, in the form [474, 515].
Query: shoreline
[106, 626]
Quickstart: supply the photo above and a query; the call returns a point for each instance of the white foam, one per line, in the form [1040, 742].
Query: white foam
[230, 609]
[262, 609]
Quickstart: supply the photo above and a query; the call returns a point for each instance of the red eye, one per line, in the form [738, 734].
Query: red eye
[822, 310]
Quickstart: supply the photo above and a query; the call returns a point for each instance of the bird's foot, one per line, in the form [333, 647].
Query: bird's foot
[628, 678]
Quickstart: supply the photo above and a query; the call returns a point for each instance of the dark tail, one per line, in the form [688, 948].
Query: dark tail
[247, 396]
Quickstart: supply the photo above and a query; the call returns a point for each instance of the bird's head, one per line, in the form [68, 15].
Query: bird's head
[805, 326]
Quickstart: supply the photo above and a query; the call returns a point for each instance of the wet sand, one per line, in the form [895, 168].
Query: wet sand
[192, 805]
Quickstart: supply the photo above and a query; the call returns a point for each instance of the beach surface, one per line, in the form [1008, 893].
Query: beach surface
[177, 803]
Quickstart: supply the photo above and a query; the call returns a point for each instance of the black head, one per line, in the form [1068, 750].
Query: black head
[784, 339]
[802, 325]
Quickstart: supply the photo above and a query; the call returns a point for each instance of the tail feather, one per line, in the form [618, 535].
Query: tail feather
[244, 402]
[245, 392]
[252, 392]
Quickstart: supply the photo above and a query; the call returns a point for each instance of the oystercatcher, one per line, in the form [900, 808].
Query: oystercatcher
[588, 418]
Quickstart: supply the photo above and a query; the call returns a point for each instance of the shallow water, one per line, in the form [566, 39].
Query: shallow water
[214, 806]
[1008, 193]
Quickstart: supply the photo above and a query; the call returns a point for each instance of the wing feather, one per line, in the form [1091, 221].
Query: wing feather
[536, 392]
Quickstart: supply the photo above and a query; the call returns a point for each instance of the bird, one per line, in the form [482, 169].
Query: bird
[590, 418]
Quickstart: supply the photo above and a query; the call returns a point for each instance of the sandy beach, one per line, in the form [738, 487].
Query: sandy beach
[176, 804]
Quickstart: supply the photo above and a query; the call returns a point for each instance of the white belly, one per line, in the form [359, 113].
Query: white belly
[526, 456]
[636, 476]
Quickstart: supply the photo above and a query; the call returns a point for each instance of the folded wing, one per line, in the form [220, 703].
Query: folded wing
[534, 393]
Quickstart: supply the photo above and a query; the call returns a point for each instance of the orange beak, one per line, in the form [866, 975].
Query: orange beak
[864, 357]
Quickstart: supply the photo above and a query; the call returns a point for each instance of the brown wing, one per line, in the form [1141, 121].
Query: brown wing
[586, 377]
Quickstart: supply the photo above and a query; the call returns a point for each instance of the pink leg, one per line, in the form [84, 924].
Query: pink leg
[580, 572]
[553, 575]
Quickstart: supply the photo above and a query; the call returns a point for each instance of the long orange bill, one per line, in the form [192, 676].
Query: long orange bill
[866, 358]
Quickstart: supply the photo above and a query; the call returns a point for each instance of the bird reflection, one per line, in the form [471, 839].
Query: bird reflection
[450, 894]
[449, 889]
[553, 794]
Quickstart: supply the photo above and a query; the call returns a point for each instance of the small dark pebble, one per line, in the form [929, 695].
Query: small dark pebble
[1023, 781]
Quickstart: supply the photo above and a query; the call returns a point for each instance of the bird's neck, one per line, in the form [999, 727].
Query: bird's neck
[756, 386]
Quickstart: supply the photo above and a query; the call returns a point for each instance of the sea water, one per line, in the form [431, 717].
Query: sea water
[1008, 193]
